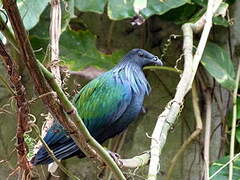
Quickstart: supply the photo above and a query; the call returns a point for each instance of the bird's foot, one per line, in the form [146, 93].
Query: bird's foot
[116, 157]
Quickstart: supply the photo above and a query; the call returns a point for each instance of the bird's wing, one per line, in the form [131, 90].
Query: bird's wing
[100, 103]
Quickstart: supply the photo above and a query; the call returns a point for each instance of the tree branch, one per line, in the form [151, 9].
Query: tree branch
[22, 111]
[193, 136]
[191, 63]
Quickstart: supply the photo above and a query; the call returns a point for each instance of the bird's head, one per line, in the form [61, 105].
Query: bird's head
[142, 58]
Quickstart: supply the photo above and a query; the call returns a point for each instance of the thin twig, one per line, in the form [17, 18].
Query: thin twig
[208, 109]
[225, 165]
[234, 120]
[193, 136]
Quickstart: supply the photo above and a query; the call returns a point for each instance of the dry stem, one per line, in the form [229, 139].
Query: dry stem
[22, 111]
[170, 113]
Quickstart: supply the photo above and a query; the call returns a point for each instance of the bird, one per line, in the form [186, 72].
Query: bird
[107, 105]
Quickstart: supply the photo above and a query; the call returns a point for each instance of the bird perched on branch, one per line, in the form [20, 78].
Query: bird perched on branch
[107, 105]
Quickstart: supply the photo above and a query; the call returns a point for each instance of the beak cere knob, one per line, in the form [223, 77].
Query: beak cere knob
[157, 61]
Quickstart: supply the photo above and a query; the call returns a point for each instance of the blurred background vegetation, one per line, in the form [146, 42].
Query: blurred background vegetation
[95, 35]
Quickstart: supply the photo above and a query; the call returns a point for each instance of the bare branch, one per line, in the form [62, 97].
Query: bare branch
[208, 109]
[170, 113]
[22, 111]
[193, 136]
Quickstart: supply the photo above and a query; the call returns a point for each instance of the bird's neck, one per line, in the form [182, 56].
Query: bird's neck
[134, 74]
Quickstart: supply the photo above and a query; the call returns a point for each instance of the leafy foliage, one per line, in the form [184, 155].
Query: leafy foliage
[218, 63]
[158, 7]
[122, 9]
[223, 175]
[220, 21]
[78, 51]
[96, 6]
[31, 11]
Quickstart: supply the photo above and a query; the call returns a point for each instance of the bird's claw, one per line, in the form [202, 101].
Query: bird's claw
[116, 157]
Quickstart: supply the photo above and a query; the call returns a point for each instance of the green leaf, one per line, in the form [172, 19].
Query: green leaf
[238, 134]
[120, 9]
[39, 46]
[223, 175]
[218, 63]
[181, 14]
[202, 3]
[30, 11]
[158, 7]
[41, 30]
[96, 6]
[219, 20]
[78, 51]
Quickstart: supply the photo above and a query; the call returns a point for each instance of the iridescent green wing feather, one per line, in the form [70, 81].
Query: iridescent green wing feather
[102, 101]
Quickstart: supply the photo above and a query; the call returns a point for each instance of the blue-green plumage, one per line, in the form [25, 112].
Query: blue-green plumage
[107, 105]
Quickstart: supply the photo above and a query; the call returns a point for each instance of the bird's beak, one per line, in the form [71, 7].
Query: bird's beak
[157, 61]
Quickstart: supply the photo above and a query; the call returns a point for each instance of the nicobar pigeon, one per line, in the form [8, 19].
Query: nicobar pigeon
[107, 105]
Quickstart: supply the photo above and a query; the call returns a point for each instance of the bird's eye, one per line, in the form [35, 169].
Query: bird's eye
[140, 54]
[155, 58]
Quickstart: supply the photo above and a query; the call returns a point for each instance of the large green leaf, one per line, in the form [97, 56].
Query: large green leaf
[223, 175]
[218, 63]
[90, 5]
[78, 51]
[31, 10]
[219, 20]
[160, 7]
[41, 30]
[181, 14]
[120, 9]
